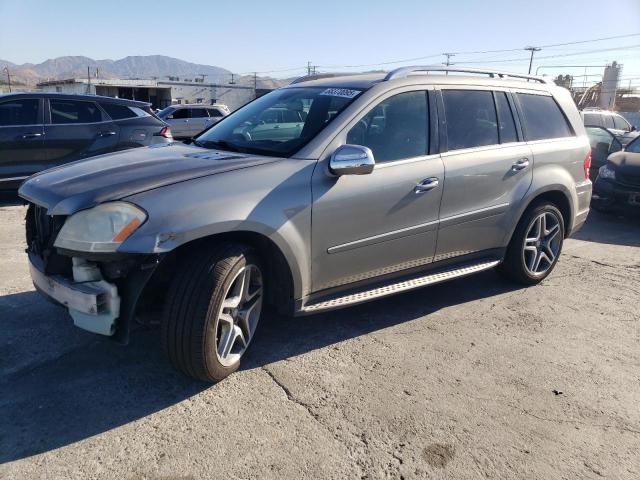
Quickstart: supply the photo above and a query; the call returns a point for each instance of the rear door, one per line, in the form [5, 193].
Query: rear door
[199, 121]
[488, 169]
[21, 140]
[77, 129]
[179, 122]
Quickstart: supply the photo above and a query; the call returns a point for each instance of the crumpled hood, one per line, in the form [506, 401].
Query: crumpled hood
[85, 183]
[627, 163]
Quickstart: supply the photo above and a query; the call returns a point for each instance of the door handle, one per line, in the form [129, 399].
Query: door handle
[26, 136]
[520, 164]
[106, 134]
[426, 185]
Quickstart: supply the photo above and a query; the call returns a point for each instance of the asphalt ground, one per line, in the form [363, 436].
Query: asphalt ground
[475, 378]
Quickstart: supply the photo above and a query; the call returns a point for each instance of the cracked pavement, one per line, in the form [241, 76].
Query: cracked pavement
[451, 381]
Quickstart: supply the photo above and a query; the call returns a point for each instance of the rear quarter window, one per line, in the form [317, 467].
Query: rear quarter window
[543, 118]
[117, 112]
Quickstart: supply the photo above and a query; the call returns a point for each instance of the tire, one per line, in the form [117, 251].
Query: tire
[519, 259]
[199, 311]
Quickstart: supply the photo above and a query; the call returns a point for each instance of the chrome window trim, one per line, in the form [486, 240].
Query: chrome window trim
[404, 161]
[30, 125]
[12, 179]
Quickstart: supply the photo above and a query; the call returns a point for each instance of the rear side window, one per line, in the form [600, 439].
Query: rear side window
[117, 112]
[506, 124]
[396, 128]
[543, 118]
[72, 111]
[19, 112]
[215, 113]
[592, 120]
[181, 113]
[471, 118]
[620, 123]
[198, 113]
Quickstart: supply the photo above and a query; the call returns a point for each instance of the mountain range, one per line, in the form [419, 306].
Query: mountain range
[146, 67]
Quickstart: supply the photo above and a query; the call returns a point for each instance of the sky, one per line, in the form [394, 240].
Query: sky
[279, 37]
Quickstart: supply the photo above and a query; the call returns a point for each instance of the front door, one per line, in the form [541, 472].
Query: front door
[371, 225]
[488, 169]
[77, 129]
[21, 140]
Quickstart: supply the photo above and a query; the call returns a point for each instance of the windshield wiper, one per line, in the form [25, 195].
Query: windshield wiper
[221, 144]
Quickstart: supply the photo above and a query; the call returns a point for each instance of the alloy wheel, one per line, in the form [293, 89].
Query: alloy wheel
[239, 315]
[542, 244]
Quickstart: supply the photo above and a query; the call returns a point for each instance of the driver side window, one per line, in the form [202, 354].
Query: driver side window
[396, 128]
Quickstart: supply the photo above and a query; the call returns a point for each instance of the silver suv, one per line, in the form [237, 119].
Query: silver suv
[187, 121]
[382, 184]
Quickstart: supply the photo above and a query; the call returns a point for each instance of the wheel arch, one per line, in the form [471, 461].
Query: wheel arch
[280, 290]
[558, 195]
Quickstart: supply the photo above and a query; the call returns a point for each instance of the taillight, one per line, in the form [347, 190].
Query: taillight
[166, 133]
[587, 164]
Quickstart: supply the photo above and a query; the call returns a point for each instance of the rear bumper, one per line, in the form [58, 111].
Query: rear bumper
[583, 192]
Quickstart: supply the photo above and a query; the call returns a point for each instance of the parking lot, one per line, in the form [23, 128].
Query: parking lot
[470, 379]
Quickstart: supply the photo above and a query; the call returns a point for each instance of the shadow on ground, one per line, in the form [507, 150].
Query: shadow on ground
[611, 228]
[71, 393]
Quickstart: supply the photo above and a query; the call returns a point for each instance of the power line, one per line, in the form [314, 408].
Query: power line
[471, 52]
[524, 59]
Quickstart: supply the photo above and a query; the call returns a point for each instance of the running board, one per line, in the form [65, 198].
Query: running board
[393, 288]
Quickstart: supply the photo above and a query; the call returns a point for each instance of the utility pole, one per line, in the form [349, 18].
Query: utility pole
[88, 80]
[232, 82]
[448, 55]
[532, 50]
[255, 84]
[6, 69]
[308, 68]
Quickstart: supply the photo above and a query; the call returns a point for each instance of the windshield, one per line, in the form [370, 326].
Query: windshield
[279, 123]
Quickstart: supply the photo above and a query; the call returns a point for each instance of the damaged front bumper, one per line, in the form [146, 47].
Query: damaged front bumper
[94, 305]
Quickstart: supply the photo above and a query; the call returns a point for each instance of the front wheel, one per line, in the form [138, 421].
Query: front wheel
[535, 246]
[212, 311]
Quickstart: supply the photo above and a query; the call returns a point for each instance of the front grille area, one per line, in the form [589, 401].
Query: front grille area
[42, 230]
[629, 180]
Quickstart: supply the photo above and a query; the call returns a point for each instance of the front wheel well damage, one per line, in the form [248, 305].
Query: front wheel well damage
[278, 288]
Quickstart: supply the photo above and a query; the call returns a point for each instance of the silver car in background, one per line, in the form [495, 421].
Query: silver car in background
[327, 193]
[187, 121]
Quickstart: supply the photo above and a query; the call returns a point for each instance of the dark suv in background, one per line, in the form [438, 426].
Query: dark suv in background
[42, 130]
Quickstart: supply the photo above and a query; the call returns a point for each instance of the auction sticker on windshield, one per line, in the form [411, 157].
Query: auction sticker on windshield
[341, 92]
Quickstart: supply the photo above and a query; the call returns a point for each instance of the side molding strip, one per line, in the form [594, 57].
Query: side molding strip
[384, 237]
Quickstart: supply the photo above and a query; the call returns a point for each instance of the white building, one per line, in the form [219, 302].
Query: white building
[160, 93]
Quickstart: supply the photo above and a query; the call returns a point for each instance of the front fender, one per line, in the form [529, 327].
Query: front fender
[273, 200]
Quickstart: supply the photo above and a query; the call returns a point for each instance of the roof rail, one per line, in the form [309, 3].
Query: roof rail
[403, 72]
[319, 76]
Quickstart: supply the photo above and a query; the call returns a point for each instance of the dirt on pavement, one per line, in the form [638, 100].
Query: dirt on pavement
[453, 381]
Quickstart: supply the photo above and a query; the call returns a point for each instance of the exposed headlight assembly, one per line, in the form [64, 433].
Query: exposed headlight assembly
[607, 172]
[100, 229]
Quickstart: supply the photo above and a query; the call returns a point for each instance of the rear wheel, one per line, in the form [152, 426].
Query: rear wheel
[535, 246]
[212, 311]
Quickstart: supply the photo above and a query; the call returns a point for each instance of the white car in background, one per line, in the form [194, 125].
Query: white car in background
[187, 121]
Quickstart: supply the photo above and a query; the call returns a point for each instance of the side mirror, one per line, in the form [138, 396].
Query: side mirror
[633, 128]
[352, 160]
